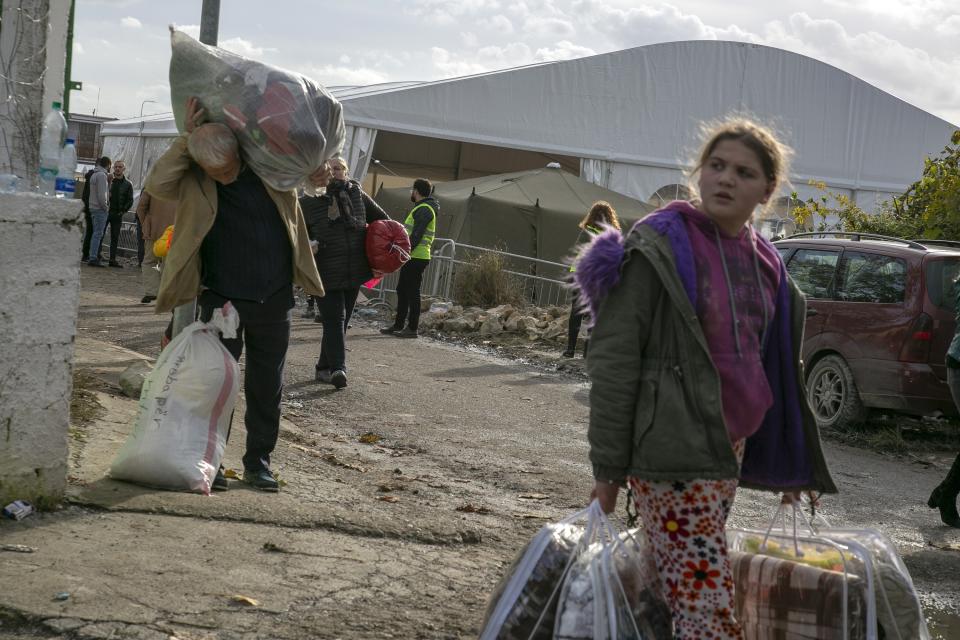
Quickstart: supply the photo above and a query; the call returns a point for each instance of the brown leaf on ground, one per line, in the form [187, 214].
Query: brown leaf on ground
[471, 508]
[334, 460]
[390, 499]
[231, 474]
[244, 600]
[370, 438]
[533, 496]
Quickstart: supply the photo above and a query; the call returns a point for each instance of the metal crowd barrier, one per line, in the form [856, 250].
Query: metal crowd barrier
[128, 238]
[543, 281]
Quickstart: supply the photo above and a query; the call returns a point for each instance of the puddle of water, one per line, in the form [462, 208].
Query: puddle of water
[943, 625]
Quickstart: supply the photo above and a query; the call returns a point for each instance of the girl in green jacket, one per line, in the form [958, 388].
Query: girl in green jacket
[695, 369]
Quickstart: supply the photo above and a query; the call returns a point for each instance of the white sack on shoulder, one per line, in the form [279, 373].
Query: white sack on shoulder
[185, 409]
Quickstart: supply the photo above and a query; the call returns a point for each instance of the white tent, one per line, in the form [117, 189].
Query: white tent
[631, 118]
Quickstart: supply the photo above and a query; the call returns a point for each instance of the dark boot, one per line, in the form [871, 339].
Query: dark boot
[944, 497]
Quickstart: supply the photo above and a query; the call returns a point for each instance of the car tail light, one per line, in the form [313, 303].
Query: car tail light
[917, 346]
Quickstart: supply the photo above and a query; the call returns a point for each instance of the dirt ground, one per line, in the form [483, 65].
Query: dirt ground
[406, 497]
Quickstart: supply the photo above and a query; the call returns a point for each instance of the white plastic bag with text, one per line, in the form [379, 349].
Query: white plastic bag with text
[185, 410]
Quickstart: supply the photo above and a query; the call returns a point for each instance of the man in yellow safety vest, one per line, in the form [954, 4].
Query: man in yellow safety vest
[421, 224]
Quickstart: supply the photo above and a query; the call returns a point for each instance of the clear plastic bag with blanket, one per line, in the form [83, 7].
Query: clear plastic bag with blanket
[287, 125]
[185, 409]
[579, 578]
[813, 580]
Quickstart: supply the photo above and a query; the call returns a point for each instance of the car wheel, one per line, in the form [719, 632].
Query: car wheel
[833, 394]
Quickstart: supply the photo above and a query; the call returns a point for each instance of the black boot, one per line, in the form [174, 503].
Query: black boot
[944, 497]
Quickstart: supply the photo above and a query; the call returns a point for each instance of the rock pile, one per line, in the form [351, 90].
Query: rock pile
[533, 323]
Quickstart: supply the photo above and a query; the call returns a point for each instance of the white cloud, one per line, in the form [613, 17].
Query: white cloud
[468, 39]
[131, 22]
[245, 48]
[548, 27]
[192, 30]
[564, 50]
[498, 23]
[949, 27]
[909, 73]
[450, 66]
[333, 75]
[78, 48]
[344, 58]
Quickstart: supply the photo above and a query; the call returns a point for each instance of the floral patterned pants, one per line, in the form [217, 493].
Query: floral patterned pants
[686, 524]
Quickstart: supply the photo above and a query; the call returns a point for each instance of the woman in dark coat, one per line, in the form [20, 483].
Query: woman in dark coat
[600, 214]
[338, 220]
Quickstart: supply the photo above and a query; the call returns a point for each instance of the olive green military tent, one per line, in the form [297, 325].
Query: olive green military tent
[531, 213]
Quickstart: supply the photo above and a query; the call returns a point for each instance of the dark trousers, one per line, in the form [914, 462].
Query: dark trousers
[265, 331]
[115, 220]
[573, 328]
[335, 307]
[408, 293]
[141, 248]
[87, 233]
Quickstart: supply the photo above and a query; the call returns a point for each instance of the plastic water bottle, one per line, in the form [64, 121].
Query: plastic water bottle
[52, 135]
[67, 169]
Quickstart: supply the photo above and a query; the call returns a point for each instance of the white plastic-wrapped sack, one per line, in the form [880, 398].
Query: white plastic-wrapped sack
[185, 409]
[287, 125]
[863, 589]
[613, 592]
[579, 578]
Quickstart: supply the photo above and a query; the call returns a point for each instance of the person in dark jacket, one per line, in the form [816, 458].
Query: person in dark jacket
[600, 214]
[87, 219]
[944, 496]
[337, 220]
[421, 225]
[121, 199]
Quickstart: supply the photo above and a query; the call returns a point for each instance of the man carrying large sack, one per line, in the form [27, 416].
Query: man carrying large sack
[237, 240]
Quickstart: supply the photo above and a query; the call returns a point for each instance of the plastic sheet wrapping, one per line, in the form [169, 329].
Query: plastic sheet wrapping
[287, 125]
[823, 582]
[613, 591]
[185, 409]
[580, 578]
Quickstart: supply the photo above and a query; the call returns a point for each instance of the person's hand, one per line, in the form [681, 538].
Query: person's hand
[321, 177]
[194, 116]
[606, 493]
[314, 245]
[377, 274]
[796, 497]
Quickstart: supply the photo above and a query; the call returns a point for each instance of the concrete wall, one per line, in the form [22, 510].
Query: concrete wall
[39, 296]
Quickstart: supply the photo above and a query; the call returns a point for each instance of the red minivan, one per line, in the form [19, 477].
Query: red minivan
[880, 316]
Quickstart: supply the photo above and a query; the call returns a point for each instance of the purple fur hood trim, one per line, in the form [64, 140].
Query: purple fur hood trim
[598, 270]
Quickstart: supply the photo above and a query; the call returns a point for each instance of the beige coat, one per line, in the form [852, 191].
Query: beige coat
[155, 215]
[177, 177]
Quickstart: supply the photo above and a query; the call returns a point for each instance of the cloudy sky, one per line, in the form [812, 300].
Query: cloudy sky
[122, 47]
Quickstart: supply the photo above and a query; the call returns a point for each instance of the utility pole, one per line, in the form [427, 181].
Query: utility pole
[209, 31]
[210, 22]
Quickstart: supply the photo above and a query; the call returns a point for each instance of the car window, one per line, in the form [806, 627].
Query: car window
[813, 270]
[783, 252]
[941, 278]
[872, 277]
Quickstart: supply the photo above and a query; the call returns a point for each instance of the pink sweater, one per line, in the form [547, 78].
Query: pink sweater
[737, 354]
